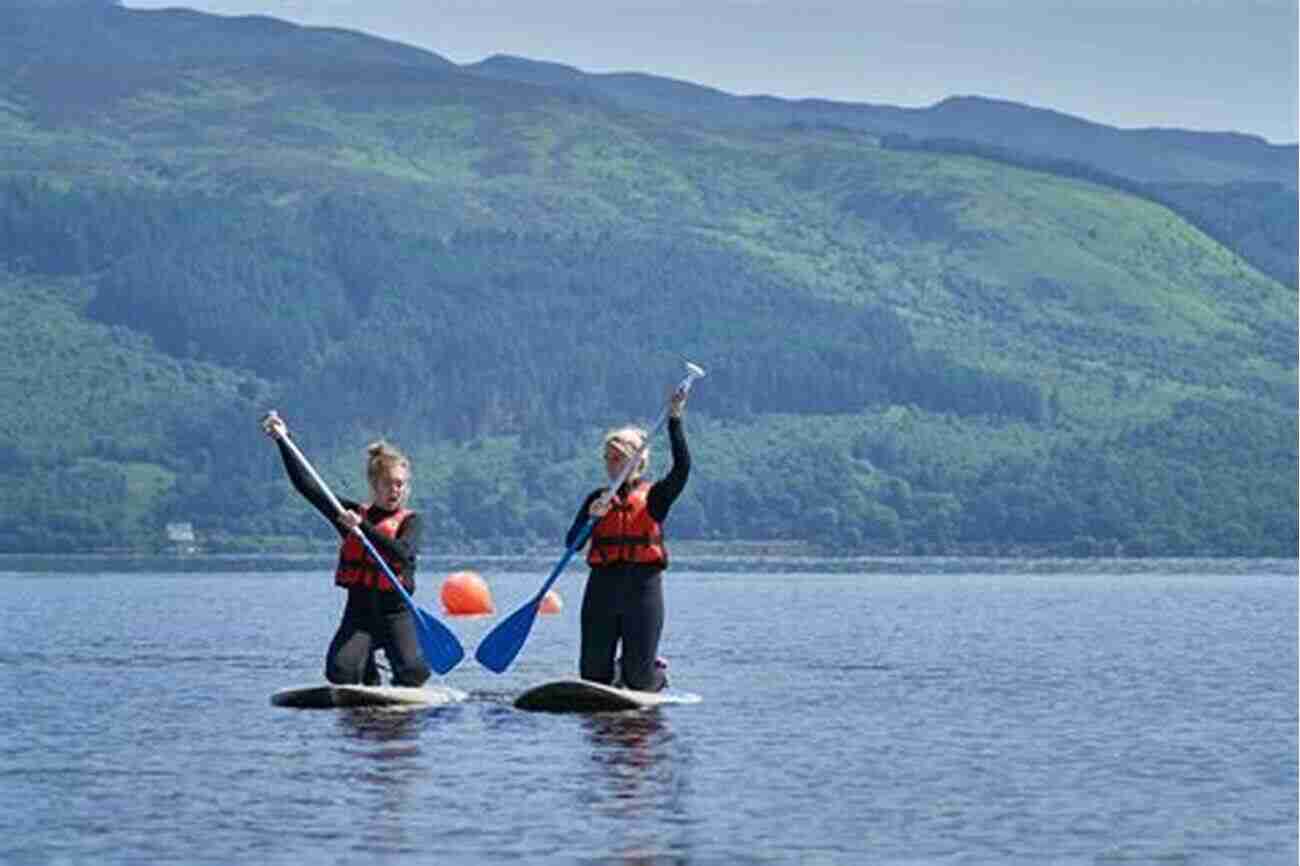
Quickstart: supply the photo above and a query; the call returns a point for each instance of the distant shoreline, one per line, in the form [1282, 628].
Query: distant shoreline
[738, 560]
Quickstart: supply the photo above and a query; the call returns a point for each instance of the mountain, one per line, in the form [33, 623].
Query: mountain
[98, 33]
[915, 348]
[1153, 155]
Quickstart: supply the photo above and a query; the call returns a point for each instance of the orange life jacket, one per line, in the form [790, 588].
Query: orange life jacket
[627, 532]
[357, 567]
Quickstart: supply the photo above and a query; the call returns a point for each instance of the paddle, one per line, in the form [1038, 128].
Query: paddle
[441, 649]
[498, 649]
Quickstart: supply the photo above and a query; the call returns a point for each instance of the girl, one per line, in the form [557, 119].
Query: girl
[375, 617]
[624, 599]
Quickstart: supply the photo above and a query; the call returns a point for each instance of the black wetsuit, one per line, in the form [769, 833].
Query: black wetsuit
[372, 618]
[625, 602]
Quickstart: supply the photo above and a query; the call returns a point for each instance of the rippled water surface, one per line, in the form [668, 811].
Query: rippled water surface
[846, 718]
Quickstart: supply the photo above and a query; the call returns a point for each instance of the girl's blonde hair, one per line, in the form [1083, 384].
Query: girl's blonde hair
[382, 456]
[628, 439]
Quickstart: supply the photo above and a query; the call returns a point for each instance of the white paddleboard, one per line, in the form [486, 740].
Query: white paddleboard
[584, 696]
[320, 697]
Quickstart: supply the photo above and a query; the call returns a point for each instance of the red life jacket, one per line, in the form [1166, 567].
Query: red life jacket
[627, 532]
[357, 567]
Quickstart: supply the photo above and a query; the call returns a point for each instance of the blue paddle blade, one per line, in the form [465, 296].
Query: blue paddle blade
[441, 648]
[496, 651]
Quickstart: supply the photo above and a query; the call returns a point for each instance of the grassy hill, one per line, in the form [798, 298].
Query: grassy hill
[1154, 155]
[908, 349]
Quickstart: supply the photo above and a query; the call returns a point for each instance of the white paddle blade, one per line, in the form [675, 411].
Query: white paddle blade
[696, 371]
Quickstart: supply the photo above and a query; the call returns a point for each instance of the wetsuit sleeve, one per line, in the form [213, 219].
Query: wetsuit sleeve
[306, 485]
[666, 490]
[580, 519]
[400, 550]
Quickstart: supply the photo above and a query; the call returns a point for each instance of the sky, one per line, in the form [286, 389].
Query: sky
[1215, 65]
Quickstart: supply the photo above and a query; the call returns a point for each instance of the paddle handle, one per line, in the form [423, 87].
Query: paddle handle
[694, 371]
[311, 470]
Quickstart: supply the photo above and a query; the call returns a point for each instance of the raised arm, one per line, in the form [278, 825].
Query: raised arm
[301, 479]
[666, 490]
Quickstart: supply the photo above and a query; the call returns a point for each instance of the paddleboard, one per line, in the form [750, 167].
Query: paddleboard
[584, 696]
[321, 697]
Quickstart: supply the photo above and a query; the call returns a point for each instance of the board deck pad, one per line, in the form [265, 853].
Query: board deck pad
[328, 696]
[585, 696]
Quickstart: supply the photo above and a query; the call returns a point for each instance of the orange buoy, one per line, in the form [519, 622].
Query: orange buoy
[464, 593]
[551, 602]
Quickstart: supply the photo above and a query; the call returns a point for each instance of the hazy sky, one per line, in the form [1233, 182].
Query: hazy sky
[1195, 64]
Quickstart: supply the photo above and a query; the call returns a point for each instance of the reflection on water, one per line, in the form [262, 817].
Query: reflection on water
[379, 752]
[398, 727]
[645, 772]
[628, 747]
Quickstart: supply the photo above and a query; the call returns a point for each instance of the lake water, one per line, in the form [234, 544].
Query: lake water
[1023, 715]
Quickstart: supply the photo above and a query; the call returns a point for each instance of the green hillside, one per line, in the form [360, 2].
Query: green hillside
[1149, 155]
[909, 350]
